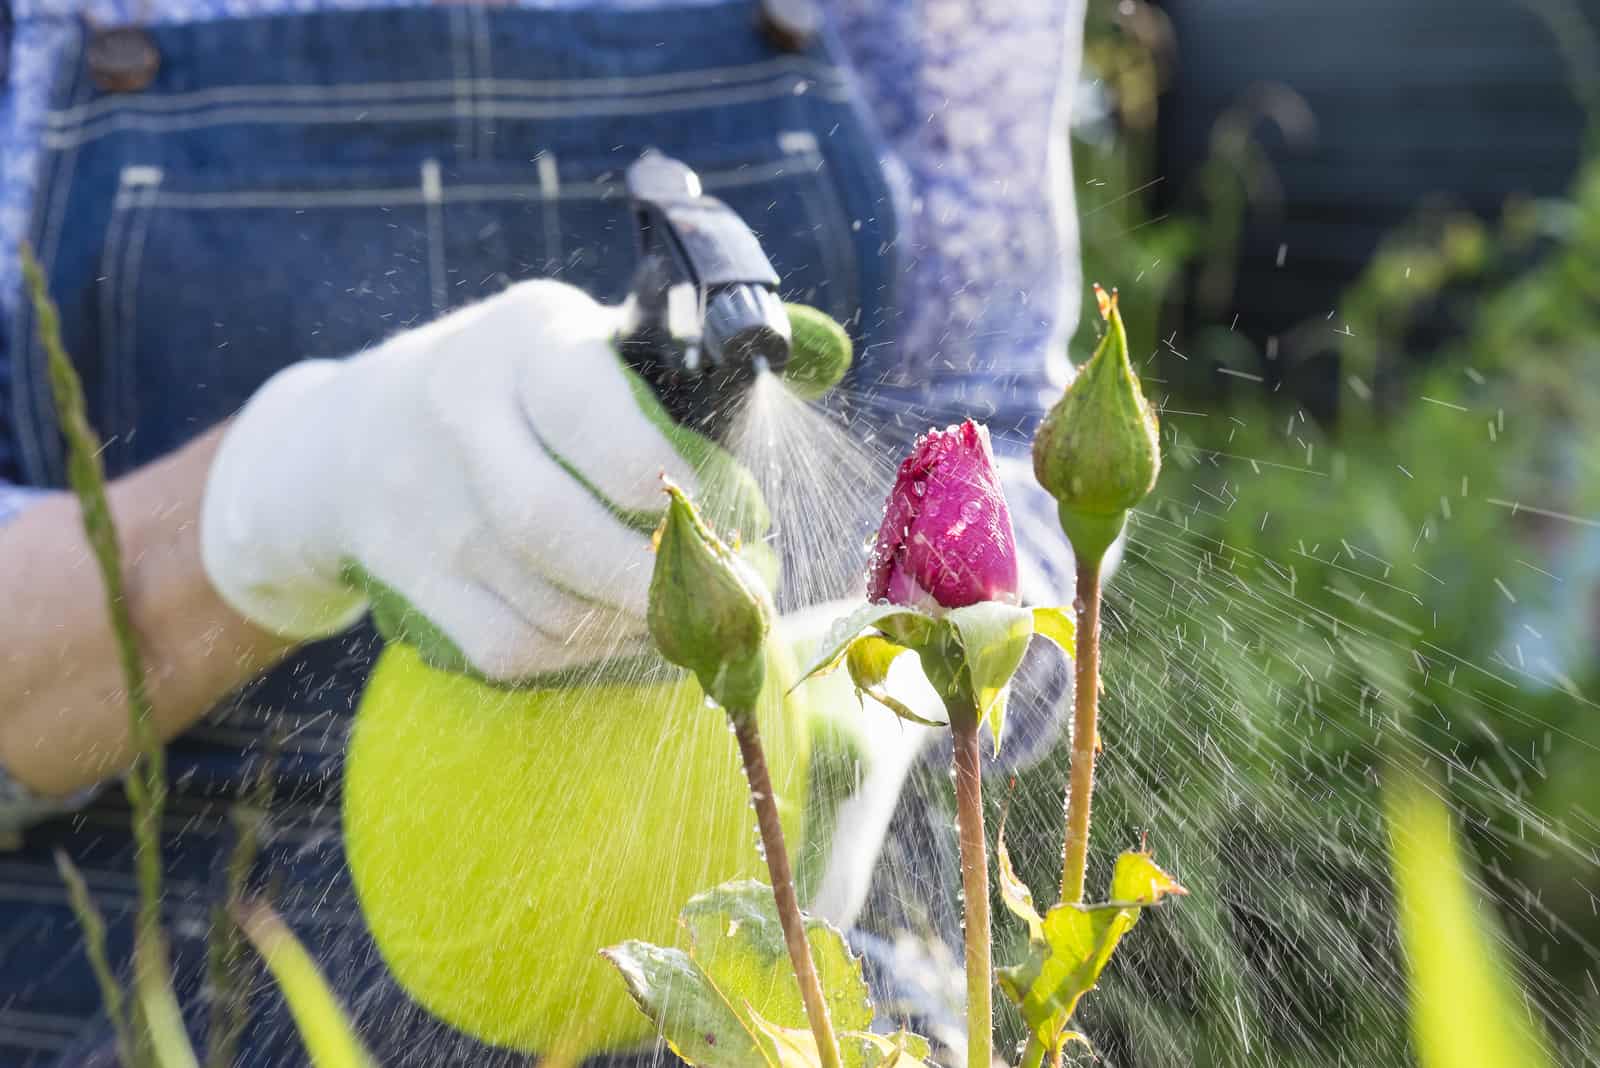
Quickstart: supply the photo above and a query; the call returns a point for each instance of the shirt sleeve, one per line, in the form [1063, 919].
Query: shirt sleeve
[971, 101]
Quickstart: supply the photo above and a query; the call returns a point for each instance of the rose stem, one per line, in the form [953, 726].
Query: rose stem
[974, 886]
[1085, 739]
[772, 843]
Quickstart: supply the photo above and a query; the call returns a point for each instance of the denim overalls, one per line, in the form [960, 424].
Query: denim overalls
[306, 186]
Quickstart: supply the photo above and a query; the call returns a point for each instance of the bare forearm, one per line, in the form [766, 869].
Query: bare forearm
[63, 716]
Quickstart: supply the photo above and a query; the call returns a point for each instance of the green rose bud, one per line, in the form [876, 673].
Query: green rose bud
[1098, 450]
[709, 611]
[820, 352]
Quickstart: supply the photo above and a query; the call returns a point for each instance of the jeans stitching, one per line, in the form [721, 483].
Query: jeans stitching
[36, 431]
[126, 414]
[433, 201]
[78, 115]
[107, 288]
[411, 195]
[463, 99]
[834, 239]
[550, 193]
[118, 122]
[481, 74]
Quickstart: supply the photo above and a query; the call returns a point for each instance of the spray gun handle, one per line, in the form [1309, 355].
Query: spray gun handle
[695, 251]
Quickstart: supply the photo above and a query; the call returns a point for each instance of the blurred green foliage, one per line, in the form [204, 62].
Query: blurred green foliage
[1302, 605]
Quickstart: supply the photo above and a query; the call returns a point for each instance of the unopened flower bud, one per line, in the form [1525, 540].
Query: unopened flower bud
[946, 539]
[709, 611]
[1098, 450]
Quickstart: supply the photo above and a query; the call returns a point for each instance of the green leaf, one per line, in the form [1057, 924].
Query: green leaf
[167, 1038]
[899, 622]
[1058, 625]
[324, 1027]
[696, 1020]
[738, 943]
[1466, 1010]
[1076, 943]
[93, 925]
[797, 1047]
[731, 1001]
[868, 659]
[903, 1049]
[994, 637]
[1015, 893]
[1139, 880]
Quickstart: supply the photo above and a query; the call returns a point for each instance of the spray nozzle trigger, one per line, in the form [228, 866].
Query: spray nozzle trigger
[707, 314]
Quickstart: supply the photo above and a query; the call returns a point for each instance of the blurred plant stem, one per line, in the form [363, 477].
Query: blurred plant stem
[225, 950]
[964, 725]
[783, 893]
[146, 778]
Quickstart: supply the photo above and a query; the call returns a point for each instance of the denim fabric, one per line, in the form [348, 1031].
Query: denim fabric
[306, 185]
[967, 99]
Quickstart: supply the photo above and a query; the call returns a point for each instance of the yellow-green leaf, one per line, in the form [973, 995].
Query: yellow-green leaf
[1058, 625]
[797, 1047]
[158, 1005]
[697, 1022]
[899, 621]
[1466, 1011]
[868, 659]
[1076, 944]
[994, 636]
[1139, 880]
[1015, 893]
[738, 943]
[324, 1027]
[731, 1001]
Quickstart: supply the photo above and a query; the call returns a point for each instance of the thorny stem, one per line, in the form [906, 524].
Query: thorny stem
[1085, 734]
[783, 894]
[974, 886]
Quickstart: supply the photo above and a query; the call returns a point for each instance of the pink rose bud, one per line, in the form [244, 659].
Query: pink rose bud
[946, 534]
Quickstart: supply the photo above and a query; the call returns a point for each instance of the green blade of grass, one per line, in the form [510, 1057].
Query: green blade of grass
[94, 942]
[146, 781]
[163, 1030]
[325, 1028]
[1466, 1009]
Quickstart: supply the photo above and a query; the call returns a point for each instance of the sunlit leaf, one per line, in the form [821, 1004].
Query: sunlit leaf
[902, 1049]
[899, 622]
[1015, 893]
[1139, 880]
[797, 1047]
[731, 1001]
[696, 1021]
[868, 659]
[994, 637]
[1058, 625]
[738, 942]
[1466, 1011]
[1075, 945]
[324, 1027]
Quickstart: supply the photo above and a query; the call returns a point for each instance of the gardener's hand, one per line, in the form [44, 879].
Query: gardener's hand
[487, 483]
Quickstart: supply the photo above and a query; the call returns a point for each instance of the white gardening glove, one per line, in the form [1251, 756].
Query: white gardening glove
[487, 484]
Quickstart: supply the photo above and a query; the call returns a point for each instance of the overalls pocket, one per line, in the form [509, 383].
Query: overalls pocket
[567, 216]
[210, 282]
